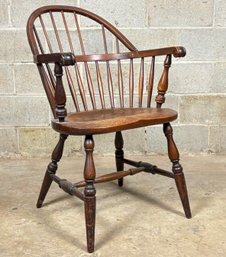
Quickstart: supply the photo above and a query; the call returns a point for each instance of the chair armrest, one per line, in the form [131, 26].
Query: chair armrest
[64, 59]
[177, 51]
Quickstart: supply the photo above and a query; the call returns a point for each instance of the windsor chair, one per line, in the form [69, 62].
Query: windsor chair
[109, 87]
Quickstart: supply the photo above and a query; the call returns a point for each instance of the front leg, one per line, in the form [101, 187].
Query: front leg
[90, 192]
[177, 169]
[52, 168]
[119, 154]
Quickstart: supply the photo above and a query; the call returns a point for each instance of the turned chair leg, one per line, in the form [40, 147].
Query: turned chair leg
[119, 154]
[177, 169]
[52, 168]
[90, 192]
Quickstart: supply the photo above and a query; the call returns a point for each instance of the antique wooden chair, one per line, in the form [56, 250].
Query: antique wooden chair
[108, 86]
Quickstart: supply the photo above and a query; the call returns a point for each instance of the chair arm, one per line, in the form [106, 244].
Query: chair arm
[177, 51]
[64, 59]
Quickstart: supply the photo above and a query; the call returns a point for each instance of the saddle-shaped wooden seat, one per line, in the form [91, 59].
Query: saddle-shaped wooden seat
[112, 120]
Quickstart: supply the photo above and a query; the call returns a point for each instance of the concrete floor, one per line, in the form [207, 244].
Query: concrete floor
[144, 218]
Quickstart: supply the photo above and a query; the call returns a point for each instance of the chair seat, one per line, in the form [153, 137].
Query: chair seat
[111, 120]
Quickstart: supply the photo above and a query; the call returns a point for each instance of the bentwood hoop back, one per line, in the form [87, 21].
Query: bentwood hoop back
[108, 86]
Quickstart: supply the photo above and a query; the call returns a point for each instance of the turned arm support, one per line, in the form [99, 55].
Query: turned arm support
[163, 82]
[60, 60]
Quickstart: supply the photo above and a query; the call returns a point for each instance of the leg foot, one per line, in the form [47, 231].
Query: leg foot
[90, 214]
[47, 181]
[182, 189]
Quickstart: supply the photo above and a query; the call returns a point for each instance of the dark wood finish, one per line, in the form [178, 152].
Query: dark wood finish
[60, 96]
[149, 168]
[111, 120]
[100, 85]
[90, 192]
[46, 34]
[67, 186]
[151, 81]
[109, 77]
[103, 100]
[163, 82]
[52, 168]
[64, 59]
[175, 51]
[119, 154]
[112, 176]
[177, 169]
[141, 82]
[131, 83]
[120, 79]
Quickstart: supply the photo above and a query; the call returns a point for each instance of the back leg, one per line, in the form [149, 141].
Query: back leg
[177, 169]
[119, 154]
[52, 167]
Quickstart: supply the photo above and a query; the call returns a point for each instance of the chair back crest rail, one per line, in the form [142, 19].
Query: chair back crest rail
[102, 69]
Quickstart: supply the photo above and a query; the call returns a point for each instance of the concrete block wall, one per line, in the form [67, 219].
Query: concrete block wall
[197, 82]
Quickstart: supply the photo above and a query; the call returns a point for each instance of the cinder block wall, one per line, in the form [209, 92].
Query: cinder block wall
[197, 87]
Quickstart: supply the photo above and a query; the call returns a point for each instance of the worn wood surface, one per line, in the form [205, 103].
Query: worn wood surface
[111, 120]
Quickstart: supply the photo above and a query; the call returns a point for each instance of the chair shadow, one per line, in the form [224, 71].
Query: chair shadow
[56, 200]
[201, 205]
[65, 235]
[59, 230]
[110, 234]
[149, 199]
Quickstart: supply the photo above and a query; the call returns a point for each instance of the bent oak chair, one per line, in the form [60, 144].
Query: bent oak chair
[109, 88]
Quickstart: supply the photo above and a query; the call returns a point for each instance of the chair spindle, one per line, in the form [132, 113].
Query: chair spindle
[72, 89]
[79, 33]
[100, 85]
[46, 34]
[56, 32]
[67, 32]
[60, 96]
[68, 75]
[52, 88]
[141, 82]
[109, 77]
[120, 80]
[131, 83]
[151, 81]
[87, 71]
[77, 72]
[81, 87]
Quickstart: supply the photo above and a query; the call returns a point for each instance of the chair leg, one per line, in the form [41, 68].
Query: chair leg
[52, 167]
[177, 169]
[90, 192]
[119, 154]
